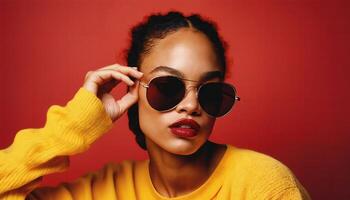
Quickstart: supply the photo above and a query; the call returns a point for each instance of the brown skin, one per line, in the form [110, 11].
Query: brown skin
[172, 159]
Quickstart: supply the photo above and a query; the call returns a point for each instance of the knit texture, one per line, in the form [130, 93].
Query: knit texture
[241, 174]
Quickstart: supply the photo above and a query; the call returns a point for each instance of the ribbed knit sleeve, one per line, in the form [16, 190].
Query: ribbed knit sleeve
[37, 152]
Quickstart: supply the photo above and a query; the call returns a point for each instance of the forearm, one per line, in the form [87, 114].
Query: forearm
[36, 152]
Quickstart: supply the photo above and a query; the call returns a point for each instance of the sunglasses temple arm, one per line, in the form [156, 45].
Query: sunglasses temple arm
[144, 85]
[233, 97]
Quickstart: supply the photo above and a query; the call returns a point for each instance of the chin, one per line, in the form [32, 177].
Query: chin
[182, 147]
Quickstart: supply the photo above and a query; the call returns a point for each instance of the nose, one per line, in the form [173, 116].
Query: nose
[189, 104]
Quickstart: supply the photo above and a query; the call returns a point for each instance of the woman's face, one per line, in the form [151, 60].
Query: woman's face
[189, 54]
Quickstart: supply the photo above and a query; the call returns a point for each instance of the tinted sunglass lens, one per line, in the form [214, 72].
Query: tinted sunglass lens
[165, 92]
[216, 98]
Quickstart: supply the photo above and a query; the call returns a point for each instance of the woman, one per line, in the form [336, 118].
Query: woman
[176, 92]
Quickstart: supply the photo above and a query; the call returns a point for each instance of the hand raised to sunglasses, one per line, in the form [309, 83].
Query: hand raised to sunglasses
[102, 81]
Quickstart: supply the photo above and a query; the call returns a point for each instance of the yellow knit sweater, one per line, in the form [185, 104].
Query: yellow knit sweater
[241, 174]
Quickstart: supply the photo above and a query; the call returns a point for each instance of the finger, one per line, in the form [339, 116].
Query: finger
[131, 71]
[116, 66]
[135, 88]
[110, 106]
[101, 77]
[126, 79]
[129, 99]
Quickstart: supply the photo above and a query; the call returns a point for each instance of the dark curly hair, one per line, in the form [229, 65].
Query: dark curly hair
[158, 26]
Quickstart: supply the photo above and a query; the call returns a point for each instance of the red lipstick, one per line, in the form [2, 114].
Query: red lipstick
[185, 128]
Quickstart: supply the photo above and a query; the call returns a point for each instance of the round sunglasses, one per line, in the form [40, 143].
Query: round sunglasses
[164, 93]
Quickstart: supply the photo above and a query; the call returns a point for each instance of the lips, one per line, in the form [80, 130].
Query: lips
[185, 128]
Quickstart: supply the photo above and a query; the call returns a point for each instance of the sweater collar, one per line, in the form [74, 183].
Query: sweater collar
[208, 189]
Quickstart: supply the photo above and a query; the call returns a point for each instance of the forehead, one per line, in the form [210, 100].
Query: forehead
[186, 50]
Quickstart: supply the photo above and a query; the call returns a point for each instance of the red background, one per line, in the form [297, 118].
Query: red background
[291, 69]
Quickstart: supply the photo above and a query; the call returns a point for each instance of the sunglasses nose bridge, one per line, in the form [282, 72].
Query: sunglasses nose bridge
[189, 103]
[191, 87]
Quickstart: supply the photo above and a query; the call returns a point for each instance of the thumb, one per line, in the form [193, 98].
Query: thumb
[129, 98]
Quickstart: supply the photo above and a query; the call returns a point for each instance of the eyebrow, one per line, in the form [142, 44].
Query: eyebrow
[167, 69]
[205, 77]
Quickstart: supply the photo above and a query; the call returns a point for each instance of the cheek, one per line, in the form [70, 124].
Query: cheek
[149, 118]
[208, 124]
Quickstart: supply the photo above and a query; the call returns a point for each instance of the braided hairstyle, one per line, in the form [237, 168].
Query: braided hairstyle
[156, 27]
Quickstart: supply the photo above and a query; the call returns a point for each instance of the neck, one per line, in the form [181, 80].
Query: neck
[168, 171]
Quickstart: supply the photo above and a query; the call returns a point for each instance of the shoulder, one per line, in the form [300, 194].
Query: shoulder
[264, 174]
[253, 161]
